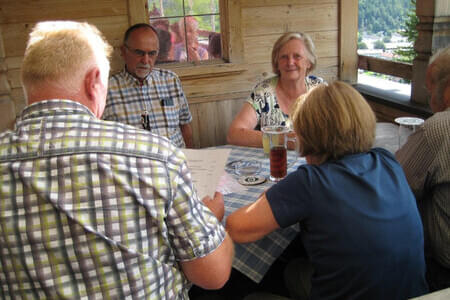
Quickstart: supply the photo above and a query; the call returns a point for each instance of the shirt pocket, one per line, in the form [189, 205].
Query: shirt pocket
[170, 109]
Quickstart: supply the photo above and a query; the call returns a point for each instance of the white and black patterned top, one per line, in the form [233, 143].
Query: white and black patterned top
[93, 209]
[264, 99]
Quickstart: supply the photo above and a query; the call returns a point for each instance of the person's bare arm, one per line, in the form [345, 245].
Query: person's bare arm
[241, 131]
[213, 270]
[186, 132]
[252, 222]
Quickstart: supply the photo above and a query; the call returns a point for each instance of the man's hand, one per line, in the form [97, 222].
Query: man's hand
[215, 205]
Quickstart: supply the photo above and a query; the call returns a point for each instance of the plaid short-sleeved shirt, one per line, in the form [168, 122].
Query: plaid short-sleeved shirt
[93, 209]
[160, 95]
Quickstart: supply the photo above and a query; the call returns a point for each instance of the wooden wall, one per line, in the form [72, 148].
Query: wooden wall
[215, 93]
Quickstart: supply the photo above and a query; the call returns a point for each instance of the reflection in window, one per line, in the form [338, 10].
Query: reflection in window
[188, 30]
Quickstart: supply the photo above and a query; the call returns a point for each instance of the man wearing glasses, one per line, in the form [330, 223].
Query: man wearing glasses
[147, 97]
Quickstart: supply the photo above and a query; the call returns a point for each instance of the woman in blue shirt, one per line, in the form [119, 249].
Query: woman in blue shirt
[358, 218]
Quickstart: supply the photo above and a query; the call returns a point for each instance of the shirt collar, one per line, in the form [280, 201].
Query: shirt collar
[55, 107]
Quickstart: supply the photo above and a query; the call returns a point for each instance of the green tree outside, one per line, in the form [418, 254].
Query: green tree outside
[382, 15]
[409, 30]
[362, 45]
[379, 45]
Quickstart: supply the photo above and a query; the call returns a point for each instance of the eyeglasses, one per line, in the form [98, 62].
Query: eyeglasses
[141, 53]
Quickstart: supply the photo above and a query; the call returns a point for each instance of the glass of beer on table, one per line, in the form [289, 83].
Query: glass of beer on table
[266, 122]
[278, 137]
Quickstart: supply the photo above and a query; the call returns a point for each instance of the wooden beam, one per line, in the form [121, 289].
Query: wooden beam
[268, 3]
[348, 40]
[383, 66]
[234, 32]
[137, 12]
[34, 11]
[208, 71]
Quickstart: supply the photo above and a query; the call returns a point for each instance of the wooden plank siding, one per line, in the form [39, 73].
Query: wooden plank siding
[259, 21]
[215, 91]
[19, 11]
[7, 106]
[270, 3]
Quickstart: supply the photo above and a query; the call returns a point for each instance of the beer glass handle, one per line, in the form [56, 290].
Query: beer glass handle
[295, 141]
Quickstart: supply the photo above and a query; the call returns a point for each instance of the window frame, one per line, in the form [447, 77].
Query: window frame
[232, 60]
[183, 17]
[382, 66]
[350, 60]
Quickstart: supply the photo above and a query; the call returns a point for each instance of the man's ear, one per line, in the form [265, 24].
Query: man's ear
[446, 95]
[92, 83]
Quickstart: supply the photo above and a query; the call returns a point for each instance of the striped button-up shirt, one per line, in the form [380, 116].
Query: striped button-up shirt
[159, 98]
[92, 209]
[425, 158]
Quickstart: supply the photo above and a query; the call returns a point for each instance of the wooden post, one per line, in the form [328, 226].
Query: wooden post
[137, 12]
[231, 31]
[433, 34]
[348, 40]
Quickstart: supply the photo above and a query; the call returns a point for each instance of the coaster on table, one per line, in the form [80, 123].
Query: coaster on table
[252, 180]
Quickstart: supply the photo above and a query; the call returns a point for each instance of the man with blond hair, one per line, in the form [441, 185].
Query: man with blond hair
[425, 158]
[93, 209]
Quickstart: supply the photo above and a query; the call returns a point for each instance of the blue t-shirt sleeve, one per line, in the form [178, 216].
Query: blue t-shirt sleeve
[288, 198]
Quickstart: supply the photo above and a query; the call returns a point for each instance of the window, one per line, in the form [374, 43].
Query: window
[383, 40]
[188, 30]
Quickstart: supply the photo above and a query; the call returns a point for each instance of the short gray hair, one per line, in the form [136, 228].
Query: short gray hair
[309, 47]
[440, 71]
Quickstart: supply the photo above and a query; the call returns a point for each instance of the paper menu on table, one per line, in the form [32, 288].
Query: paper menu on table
[206, 166]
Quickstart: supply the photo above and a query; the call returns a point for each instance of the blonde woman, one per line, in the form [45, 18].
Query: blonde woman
[358, 218]
[293, 59]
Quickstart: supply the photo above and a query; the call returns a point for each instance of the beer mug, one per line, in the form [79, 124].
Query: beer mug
[278, 139]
